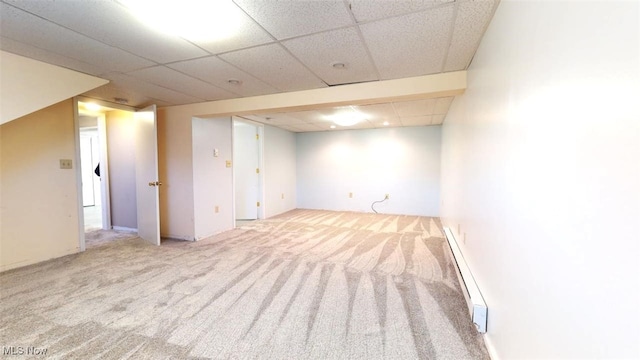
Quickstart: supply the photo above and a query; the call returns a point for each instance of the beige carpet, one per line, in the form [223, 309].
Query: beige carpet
[303, 285]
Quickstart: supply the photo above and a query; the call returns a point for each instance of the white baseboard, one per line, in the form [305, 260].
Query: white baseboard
[176, 237]
[122, 228]
[490, 348]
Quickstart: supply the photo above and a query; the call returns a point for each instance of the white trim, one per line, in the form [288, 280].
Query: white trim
[490, 348]
[122, 228]
[177, 237]
[104, 173]
[106, 104]
[80, 205]
[477, 306]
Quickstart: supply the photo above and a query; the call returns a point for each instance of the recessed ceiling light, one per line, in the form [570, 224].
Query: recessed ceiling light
[386, 123]
[333, 126]
[195, 20]
[234, 81]
[338, 65]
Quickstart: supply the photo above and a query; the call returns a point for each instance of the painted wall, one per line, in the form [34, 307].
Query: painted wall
[39, 205]
[44, 83]
[122, 168]
[175, 170]
[401, 162]
[279, 171]
[541, 171]
[212, 180]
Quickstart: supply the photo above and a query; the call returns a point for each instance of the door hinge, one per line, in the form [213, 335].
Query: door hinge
[258, 204]
[257, 170]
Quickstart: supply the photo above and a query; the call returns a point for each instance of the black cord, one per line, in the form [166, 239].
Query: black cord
[379, 201]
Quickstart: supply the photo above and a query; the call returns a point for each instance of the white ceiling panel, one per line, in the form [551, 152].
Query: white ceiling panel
[367, 10]
[171, 79]
[24, 27]
[275, 119]
[415, 107]
[410, 45]
[379, 112]
[311, 127]
[150, 90]
[275, 66]
[437, 119]
[113, 24]
[319, 51]
[248, 33]
[442, 105]
[471, 20]
[217, 72]
[110, 92]
[416, 120]
[32, 52]
[288, 18]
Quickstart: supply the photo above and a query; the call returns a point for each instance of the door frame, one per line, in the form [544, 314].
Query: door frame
[104, 159]
[260, 128]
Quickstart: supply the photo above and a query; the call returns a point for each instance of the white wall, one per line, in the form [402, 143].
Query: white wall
[402, 162]
[279, 171]
[122, 168]
[541, 170]
[212, 180]
[39, 206]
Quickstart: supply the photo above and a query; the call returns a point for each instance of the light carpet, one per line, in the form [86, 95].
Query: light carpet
[307, 284]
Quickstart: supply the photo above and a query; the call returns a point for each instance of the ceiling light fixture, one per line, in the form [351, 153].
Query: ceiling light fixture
[195, 20]
[121, 100]
[333, 126]
[386, 123]
[338, 65]
[234, 81]
[347, 116]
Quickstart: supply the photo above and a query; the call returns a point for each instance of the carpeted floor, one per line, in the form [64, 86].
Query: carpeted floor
[304, 285]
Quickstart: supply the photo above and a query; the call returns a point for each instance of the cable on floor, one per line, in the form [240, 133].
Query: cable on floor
[379, 201]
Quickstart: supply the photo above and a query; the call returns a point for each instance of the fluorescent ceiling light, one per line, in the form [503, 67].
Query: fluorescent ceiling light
[347, 116]
[195, 20]
[92, 107]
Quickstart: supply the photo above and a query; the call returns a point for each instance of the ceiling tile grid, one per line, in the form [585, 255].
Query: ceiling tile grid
[368, 10]
[320, 52]
[275, 66]
[412, 44]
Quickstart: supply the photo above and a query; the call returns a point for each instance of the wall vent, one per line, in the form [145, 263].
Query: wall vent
[475, 302]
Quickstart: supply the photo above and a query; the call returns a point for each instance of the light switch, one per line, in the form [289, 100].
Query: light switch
[216, 152]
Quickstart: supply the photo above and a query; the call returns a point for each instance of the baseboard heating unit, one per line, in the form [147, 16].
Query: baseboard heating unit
[477, 307]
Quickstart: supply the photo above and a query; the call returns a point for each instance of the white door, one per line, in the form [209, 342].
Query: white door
[147, 181]
[247, 162]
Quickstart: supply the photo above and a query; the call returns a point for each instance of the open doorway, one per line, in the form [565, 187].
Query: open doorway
[90, 170]
[247, 183]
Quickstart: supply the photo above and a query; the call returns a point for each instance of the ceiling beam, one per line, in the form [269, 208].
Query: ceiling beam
[413, 88]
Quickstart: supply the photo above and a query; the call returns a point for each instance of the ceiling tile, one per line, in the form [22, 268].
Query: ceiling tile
[153, 91]
[367, 10]
[319, 51]
[288, 18]
[110, 91]
[32, 52]
[275, 66]
[416, 120]
[113, 24]
[290, 128]
[471, 20]
[171, 79]
[437, 119]
[276, 119]
[442, 105]
[410, 45]
[247, 34]
[217, 72]
[24, 27]
[379, 113]
[415, 107]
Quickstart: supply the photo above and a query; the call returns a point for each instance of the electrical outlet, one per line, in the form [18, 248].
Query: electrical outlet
[66, 164]
[386, 196]
[282, 196]
[217, 209]
[350, 195]
[228, 163]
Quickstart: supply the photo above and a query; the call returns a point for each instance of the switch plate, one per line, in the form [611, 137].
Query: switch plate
[217, 209]
[216, 152]
[350, 195]
[228, 163]
[66, 164]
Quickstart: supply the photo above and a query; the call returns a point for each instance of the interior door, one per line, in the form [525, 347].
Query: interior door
[247, 162]
[147, 181]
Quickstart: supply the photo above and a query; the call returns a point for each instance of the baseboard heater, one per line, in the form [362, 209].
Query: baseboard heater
[475, 303]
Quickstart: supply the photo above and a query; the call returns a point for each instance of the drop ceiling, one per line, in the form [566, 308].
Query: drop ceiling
[281, 46]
